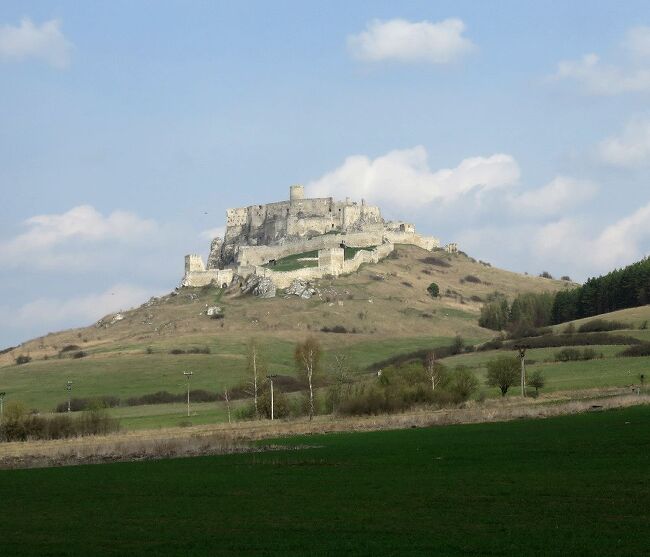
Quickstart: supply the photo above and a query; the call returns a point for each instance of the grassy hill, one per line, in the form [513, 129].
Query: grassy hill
[384, 307]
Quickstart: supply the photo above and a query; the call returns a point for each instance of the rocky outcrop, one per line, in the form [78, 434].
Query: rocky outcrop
[214, 259]
[262, 287]
[300, 288]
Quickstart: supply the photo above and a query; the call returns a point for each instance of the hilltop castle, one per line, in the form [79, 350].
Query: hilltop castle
[258, 235]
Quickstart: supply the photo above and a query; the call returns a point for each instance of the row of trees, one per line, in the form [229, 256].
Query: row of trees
[307, 358]
[397, 388]
[620, 289]
[527, 311]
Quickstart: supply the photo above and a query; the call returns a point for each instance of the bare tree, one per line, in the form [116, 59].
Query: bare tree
[436, 372]
[307, 356]
[340, 370]
[256, 371]
[226, 397]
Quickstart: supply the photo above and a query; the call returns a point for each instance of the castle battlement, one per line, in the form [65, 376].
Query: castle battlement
[258, 234]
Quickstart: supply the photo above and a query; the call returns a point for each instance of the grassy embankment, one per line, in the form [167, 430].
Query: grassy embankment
[574, 485]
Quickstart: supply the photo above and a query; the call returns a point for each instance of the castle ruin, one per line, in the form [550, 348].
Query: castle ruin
[258, 235]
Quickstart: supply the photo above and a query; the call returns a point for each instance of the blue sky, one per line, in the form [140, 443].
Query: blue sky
[519, 129]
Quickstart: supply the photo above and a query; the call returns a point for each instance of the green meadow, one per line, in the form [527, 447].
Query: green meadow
[574, 485]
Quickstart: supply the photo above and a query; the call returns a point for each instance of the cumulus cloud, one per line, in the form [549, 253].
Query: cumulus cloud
[572, 245]
[403, 178]
[54, 312]
[620, 243]
[404, 41]
[81, 226]
[630, 148]
[28, 40]
[598, 78]
[555, 197]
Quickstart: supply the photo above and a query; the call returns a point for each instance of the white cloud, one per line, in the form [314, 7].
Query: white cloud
[631, 148]
[559, 194]
[573, 242]
[629, 76]
[86, 309]
[42, 42]
[59, 240]
[402, 178]
[572, 246]
[404, 41]
[212, 233]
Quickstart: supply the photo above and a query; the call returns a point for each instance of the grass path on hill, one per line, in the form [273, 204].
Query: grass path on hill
[574, 485]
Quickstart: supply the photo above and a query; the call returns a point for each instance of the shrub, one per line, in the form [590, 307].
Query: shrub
[437, 261]
[503, 373]
[636, 351]
[566, 278]
[546, 275]
[457, 345]
[537, 381]
[69, 348]
[463, 383]
[473, 279]
[600, 325]
[23, 427]
[573, 355]
[79, 354]
[78, 404]
[196, 395]
[334, 329]
[194, 350]
[22, 359]
[577, 339]
[568, 355]
[434, 290]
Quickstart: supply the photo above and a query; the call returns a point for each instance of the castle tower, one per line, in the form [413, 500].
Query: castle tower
[296, 193]
[194, 263]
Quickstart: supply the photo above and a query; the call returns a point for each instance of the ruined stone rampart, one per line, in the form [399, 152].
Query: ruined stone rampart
[260, 255]
[258, 234]
[331, 262]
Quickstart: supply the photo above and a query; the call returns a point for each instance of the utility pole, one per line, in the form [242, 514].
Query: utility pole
[188, 374]
[522, 356]
[271, 380]
[2, 405]
[68, 387]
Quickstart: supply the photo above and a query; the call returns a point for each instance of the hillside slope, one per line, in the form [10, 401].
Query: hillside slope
[384, 307]
[389, 298]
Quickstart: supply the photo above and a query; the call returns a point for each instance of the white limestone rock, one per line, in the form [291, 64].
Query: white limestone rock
[300, 288]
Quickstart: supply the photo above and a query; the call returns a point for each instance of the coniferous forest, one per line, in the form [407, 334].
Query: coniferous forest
[620, 289]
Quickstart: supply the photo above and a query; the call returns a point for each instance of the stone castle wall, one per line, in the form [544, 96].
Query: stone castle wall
[260, 255]
[258, 234]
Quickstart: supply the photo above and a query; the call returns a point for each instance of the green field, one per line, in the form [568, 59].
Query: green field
[41, 384]
[575, 485]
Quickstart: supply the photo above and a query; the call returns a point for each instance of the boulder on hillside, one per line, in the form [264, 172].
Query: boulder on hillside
[262, 287]
[300, 288]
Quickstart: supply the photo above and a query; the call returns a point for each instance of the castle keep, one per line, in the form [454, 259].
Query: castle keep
[258, 235]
